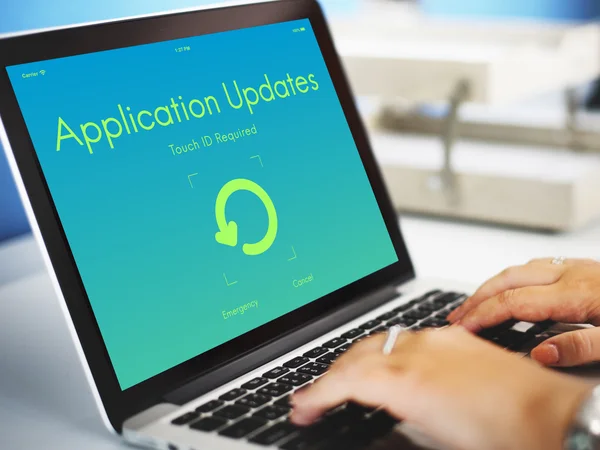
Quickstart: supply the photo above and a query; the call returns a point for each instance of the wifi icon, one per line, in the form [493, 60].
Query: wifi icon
[42, 72]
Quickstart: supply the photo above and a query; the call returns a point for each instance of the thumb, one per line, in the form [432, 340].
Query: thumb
[569, 349]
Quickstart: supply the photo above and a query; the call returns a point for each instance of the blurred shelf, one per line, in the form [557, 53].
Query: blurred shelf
[517, 185]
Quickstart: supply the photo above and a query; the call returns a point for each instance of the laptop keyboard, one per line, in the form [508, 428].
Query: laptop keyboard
[258, 410]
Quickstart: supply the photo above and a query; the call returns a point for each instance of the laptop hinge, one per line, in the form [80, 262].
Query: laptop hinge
[286, 343]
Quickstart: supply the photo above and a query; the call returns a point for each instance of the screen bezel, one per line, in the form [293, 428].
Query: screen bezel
[119, 404]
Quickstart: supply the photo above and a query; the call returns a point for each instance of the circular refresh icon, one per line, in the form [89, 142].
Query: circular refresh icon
[228, 231]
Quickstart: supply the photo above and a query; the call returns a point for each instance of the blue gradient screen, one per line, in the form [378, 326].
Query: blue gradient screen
[206, 186]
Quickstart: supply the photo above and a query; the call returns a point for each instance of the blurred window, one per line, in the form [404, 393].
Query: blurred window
[27, 14]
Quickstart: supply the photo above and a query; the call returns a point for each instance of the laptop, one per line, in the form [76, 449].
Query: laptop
[213, 220]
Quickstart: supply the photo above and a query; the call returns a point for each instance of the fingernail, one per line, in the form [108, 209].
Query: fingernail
[456, 324]
[546, 354]
[469, 325]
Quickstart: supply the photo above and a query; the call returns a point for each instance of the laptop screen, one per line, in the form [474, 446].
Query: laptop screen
[206, 186]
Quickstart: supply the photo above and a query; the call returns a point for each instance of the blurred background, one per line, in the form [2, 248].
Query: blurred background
[478, 110]
[482, 114]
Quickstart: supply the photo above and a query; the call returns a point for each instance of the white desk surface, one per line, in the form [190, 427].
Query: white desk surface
[44, 400]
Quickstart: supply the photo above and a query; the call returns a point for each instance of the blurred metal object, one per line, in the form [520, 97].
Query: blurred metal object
[394, 54]
[449, 130]
[572, 135]
[448, 177]
[573, 105]
[522, 186]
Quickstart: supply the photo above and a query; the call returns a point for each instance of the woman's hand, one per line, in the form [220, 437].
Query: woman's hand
[459, 389]
[541, 291]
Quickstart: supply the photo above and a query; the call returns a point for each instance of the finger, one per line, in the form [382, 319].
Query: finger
[569, 349]
[367, 382]
[363, 375]
[511, 278]
[566, 262]
[532, 304]
[544, 261]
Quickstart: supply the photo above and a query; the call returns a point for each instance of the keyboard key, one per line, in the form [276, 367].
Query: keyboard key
[430, 294]
[326, 430]
[407, 321]
[210, 406]
[387, 316]
[523, 327]
[403, 308]
[284, 401]
[275, 389]
[347, 416]
[255, 384]
[458, 296]
[396, 321]
[513, 340]
[209, 424]
[446, 299]
[243, 427]
[360, 408]
[310, 436]
[316, 352]
[185, 419]
[438, 304]
[329, 358]
[435, 322]
[297, 362]
[254, 400]
[272, 412]
[370, 325]
[539, 328]
[335, 343]
[343, 348]
[378, 330]
[352, 334]
[402, 321]
[417, 314]
[232, 412]
[274, 434]
[359, 435]
[314, 368]
[302, 442]
[232, 395]
[276, 372]
[427, 307]
[495, 332]
[296, 379]
[379, 424]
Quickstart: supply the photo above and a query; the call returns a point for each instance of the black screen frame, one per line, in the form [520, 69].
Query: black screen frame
[118, 404]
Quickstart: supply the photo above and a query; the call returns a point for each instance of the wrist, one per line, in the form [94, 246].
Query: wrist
[555, 410]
